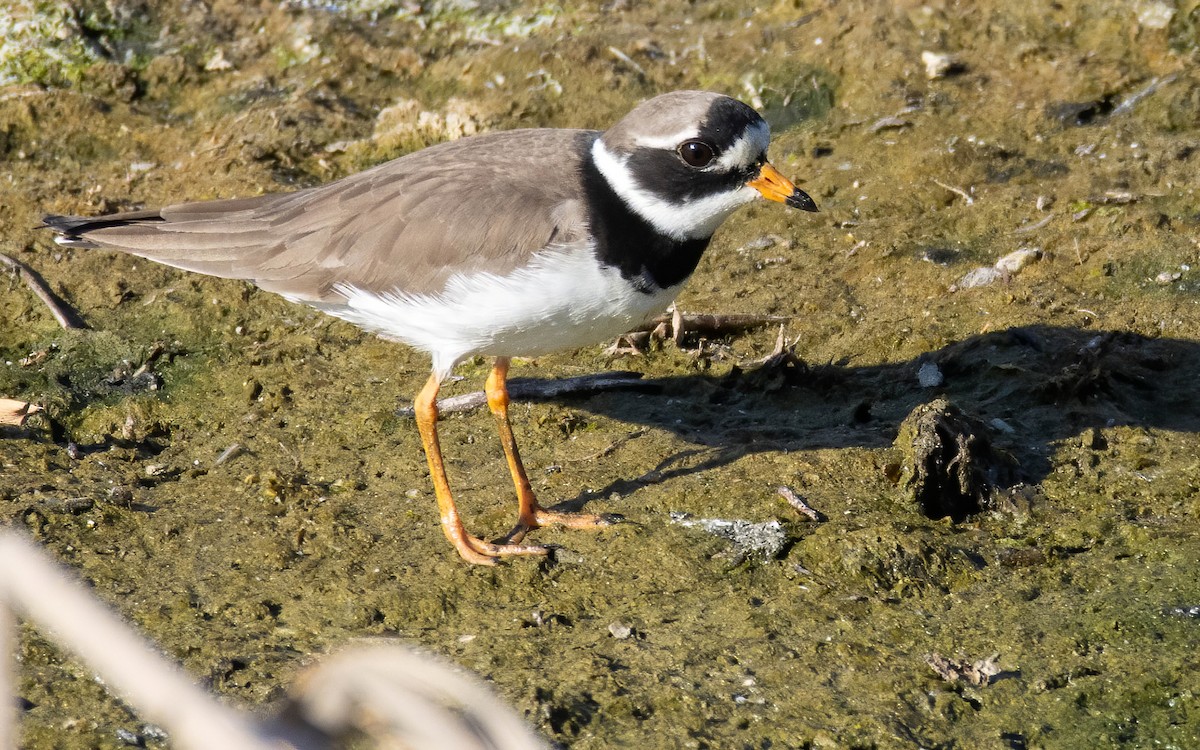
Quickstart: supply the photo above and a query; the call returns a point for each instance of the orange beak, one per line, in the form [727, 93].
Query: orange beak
[776, 187]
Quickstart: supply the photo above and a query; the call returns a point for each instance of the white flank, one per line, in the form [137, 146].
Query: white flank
[694, 219]
[563, 299]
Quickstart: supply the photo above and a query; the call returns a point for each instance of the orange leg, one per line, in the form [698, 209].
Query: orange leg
[470, 548]
[530, 515]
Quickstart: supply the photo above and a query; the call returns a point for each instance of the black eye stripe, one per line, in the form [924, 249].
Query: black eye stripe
[665, 174]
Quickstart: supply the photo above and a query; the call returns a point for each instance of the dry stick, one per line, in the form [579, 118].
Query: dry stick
[797, 502]
[1133, 99]
[629, 61]
[707, 324]
[1034, 227]
[615, 444]
[957, 191]
[674, 324]
[66, 317]
[677, 326]
[524, 389]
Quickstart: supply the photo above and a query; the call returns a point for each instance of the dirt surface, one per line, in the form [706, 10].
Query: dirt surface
[1059, 141]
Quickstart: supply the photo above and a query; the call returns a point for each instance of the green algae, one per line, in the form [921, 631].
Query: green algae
[55, 43]
[320, 526]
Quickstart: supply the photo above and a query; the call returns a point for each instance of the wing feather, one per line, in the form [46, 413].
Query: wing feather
[482, 203]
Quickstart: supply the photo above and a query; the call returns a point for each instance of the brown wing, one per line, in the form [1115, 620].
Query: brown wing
[486, 202]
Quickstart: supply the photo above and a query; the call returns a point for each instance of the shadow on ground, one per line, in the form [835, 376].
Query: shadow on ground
[1031, 386]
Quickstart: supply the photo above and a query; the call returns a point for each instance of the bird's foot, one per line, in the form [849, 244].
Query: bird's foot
[480, 552]
[541, 517]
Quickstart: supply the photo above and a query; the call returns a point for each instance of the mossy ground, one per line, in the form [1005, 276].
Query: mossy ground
[324, 529]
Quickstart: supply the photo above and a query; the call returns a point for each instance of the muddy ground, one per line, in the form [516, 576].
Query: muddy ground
[1069, 130]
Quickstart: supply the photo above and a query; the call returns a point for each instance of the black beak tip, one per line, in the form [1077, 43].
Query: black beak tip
[801, 200]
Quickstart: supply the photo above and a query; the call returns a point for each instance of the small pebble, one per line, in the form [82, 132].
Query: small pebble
[1018, 259]
[1168, 277]
[1154, 14]
[217, 62]
[620, 630]
[762, 243]
[930, 376]
[940, 64]
[1005, 267]
[1000, 425]
[980, 277]
[889, 123]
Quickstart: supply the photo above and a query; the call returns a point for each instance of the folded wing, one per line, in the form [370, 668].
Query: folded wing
[406, 225]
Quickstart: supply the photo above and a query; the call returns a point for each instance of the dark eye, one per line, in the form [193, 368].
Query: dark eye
[696, 153]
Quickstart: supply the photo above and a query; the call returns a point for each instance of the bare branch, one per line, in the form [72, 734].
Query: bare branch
[66, 317]
[528, 389]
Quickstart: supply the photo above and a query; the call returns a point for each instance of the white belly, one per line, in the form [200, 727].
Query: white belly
[563, 299]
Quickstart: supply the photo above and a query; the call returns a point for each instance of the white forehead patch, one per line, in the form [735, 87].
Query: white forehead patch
[667, 142]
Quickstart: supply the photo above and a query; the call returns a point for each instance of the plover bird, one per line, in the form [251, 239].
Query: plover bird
[508, 244]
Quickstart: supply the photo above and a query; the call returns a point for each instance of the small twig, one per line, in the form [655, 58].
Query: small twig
[797, 502]
[783, 353]
[957, 191]
[229, 454]
[712, 324]
[780, 342]
[1133, 99]
[616, 444]
[628, 345]
[674, 324]
[890, 122]
[528, 389]
[627, 60]
[1034, 227]
[66, 317]
[155, 352]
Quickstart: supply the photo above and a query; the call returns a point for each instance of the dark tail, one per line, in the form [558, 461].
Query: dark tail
[72, 230]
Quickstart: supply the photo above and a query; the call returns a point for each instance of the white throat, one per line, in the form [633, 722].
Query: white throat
[691, 220]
